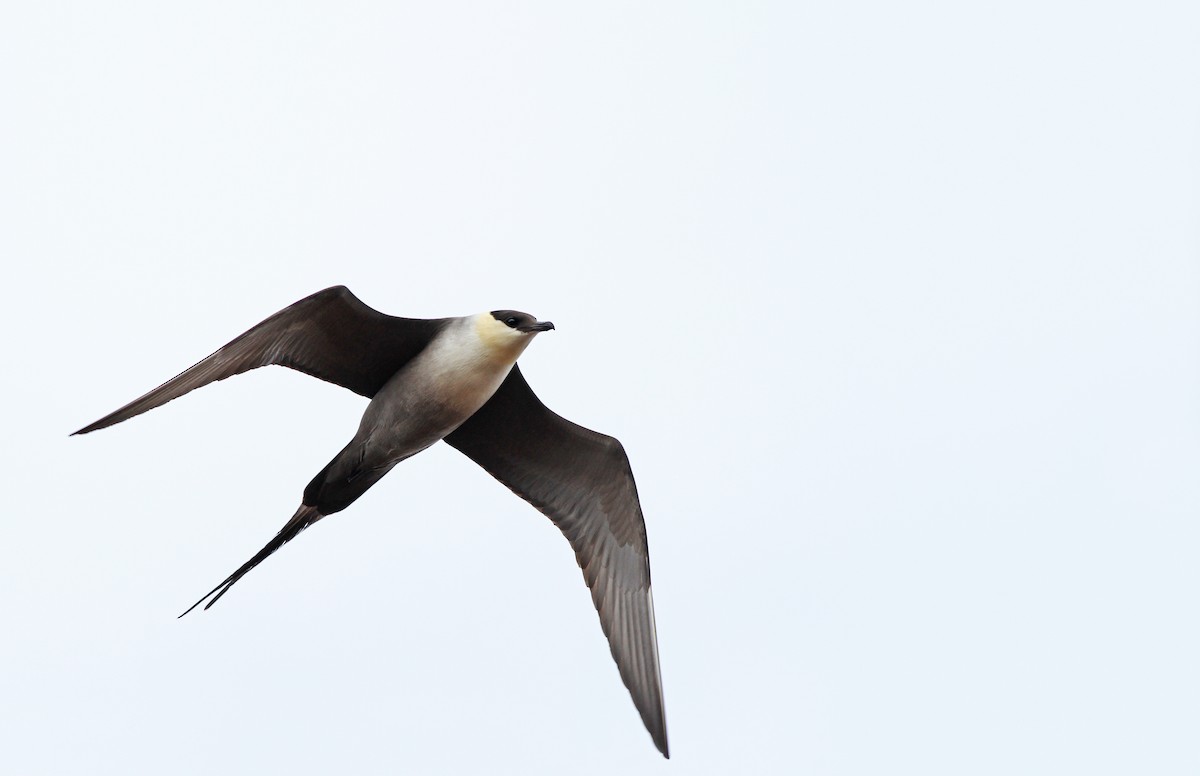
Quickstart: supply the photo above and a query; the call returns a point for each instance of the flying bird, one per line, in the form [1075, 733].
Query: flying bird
[457, 380]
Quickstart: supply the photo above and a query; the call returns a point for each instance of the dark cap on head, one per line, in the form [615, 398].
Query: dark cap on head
[514, 319]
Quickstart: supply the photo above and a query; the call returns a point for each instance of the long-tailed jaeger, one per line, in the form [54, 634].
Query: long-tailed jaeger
[457, 379]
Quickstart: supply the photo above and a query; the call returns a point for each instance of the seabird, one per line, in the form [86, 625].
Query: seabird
[457, 379]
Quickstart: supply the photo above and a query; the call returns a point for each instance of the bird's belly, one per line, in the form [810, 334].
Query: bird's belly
[416, 410]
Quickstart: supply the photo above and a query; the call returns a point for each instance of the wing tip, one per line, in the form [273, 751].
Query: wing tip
[657, 728]
[104, 422]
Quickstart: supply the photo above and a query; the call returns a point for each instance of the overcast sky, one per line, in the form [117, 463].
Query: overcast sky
[894, 306]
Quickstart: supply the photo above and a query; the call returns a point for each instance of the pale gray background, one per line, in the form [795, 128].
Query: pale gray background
[896, 307]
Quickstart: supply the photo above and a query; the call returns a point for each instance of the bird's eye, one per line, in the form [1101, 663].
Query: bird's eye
[511, 322]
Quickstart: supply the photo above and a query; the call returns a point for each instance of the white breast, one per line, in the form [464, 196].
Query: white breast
[469, 360]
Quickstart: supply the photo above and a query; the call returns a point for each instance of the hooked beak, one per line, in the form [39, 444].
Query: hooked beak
[542, 326]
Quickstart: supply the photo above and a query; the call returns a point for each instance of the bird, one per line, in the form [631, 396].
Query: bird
[456, 380]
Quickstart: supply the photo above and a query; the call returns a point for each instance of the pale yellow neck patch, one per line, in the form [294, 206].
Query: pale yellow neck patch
[499, 338]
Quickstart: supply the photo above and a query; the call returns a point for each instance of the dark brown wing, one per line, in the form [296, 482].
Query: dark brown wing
[581, 480]
[330, 335]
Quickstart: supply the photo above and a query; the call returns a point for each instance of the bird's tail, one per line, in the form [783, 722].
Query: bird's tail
[304, 517]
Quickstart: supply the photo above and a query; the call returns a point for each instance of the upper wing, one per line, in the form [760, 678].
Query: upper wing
[581, 480]
[331, 335]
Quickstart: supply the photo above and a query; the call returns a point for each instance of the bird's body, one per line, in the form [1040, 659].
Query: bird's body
[428, 398]
[456, 379]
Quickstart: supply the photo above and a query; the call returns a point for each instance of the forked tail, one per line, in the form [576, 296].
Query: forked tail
[304, 517]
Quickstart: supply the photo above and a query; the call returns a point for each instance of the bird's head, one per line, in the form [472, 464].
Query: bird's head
[521, 323]
[509, 331]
